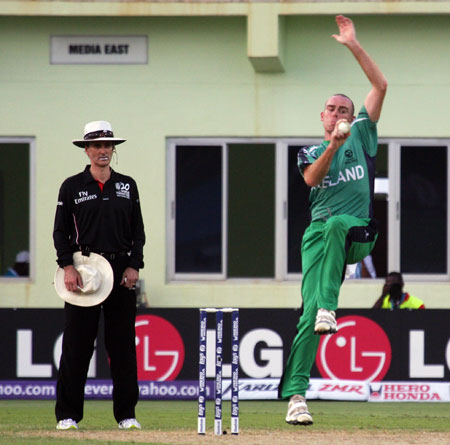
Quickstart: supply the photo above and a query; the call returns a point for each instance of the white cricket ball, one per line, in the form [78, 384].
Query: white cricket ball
[344, 127]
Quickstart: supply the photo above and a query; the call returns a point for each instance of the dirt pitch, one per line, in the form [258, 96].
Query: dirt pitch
[296, 436]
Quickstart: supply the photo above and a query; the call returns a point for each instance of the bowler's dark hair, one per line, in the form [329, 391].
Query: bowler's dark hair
[343, 95]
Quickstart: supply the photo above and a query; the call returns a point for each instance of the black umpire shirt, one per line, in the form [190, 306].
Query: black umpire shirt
[108, 221]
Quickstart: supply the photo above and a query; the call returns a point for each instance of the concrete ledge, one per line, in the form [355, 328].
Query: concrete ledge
[265, 38]
[202, 8]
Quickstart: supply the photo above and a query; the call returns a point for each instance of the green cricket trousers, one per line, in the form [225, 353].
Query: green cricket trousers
[327, 248]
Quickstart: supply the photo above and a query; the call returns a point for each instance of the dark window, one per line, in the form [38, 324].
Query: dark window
[198, 222]
[298, 214]
[14, 209]
[423, 217]
[251, 211]
[380, 213]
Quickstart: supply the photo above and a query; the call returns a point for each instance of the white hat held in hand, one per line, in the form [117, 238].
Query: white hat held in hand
[97, 131]
[97, 276]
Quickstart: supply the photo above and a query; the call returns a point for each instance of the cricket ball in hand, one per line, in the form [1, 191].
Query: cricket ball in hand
[344, 127]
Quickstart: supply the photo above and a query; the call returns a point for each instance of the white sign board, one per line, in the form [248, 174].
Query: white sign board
[100, 50]
[354, 390]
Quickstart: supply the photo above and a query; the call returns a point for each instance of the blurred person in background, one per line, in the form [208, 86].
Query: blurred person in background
[393, 297]
[21, 267]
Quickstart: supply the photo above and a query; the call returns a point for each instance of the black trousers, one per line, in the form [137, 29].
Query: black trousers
[80, 332]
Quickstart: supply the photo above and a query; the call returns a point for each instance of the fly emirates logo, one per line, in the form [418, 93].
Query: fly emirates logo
[84, 196]
[349, 174]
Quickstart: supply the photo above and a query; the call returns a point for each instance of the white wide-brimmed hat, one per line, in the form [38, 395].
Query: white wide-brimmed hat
[97, 131]
[97, 276]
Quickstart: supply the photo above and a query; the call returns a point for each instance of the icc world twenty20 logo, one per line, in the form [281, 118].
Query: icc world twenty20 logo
[360, 350]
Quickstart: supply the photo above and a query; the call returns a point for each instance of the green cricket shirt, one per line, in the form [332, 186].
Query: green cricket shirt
[348, 186]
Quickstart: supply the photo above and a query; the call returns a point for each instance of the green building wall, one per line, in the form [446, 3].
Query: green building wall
[199, 82]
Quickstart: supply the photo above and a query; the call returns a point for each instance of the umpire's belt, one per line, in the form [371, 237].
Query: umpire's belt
[108, 255]
[113, 255]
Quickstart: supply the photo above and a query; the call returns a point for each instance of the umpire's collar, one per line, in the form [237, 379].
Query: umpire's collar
[87, 175]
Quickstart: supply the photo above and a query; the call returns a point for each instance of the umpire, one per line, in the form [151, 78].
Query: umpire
[99, 211]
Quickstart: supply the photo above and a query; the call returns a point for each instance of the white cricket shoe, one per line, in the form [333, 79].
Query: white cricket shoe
[298, 413]
[325, 322]
[67, 424]
[129, 424]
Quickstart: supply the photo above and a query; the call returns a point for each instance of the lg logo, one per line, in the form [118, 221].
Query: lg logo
[159, 349]
[360, 350]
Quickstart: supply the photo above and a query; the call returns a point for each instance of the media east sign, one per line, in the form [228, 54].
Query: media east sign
[101, 50]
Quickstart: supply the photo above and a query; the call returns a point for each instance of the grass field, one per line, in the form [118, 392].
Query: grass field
[261, 422]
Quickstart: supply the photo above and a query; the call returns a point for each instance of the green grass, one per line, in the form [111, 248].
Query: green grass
[30, 416]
